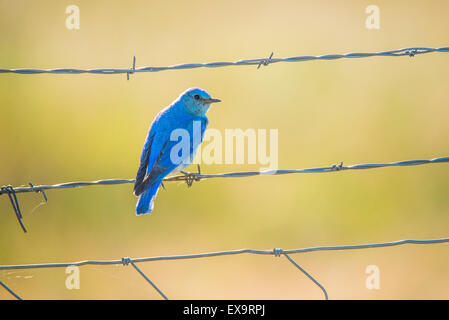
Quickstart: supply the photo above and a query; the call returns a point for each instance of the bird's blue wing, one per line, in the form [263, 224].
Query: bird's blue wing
[165, 162]
[152, 148]
[156, 162]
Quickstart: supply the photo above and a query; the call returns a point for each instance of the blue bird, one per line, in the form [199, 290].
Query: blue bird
[160, 154]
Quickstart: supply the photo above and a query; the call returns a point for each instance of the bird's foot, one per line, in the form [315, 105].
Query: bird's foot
[192, 176]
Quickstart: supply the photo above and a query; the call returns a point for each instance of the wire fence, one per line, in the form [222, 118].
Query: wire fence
[190, 177]
[411, 52]
[12, 191]
[277, 252]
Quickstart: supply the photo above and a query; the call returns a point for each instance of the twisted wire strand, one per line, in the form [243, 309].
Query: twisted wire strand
[412, 51]
[198, 176]
[190, 177]
[223, 253]
[275, 252]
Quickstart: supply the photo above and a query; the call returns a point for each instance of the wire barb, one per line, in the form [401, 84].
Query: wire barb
[337, 167]
[265, 62]
[39, 190]
[133, 69]
[411, 52]
[190, 177]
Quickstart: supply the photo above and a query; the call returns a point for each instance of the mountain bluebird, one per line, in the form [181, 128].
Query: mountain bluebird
[161, 154]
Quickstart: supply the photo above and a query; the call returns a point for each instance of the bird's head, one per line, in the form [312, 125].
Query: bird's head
[197, 101]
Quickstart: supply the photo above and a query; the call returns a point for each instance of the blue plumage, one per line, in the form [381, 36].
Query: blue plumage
[162, 153]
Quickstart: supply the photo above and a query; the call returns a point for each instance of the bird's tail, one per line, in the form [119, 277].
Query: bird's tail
[145, 204]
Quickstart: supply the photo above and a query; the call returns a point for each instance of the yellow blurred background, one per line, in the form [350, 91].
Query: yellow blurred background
[60, 128]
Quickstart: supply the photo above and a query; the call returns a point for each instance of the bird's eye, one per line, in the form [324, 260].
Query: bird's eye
[196, 97]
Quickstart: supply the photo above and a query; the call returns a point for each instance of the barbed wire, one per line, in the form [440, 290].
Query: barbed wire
[190, 177]
[411, 52]
[277, 252]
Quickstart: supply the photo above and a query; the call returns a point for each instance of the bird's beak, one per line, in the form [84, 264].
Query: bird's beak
[211, 100]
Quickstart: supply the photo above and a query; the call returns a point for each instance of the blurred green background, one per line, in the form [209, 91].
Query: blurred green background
[59, 128]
